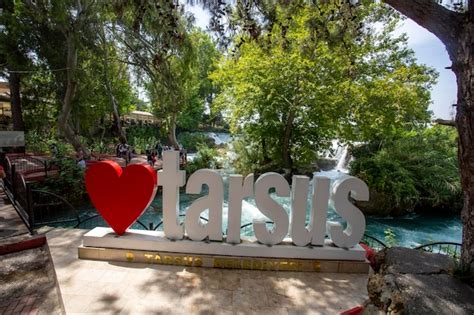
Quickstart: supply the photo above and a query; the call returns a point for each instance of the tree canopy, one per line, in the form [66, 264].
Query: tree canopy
[297, 88]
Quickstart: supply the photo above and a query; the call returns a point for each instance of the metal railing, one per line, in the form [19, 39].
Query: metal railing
[96, 220]
[25, 164]
[160, 224]
[445, 248]
[51, 209]
[373, 242]
[247, 229]
[27, 201]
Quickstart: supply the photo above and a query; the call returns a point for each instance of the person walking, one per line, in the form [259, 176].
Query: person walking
[159, 150]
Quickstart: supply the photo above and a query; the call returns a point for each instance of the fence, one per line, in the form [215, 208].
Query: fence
[20, 171]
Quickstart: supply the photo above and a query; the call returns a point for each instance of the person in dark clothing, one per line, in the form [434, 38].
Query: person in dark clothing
[159, 150]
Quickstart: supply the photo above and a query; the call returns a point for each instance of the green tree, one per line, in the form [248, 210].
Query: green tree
[155, 38]
[199, 88]
[60, 29]
[414, 171]
[75, 76]
[14, 63]
[294, 89]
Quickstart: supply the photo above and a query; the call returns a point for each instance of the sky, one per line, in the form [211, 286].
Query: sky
[428, 50]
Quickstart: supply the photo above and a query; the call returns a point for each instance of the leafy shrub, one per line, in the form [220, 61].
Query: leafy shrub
[41, 143]
[139, 137]
[36, 142]
[106, 145]
[141, 144]
[390, 237]
[191, 141]
[416, 171]
[68, 183]
[143, 131]
[205, 158]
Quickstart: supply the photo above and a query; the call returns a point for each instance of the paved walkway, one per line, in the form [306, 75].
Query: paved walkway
[27, 279]
[10, 223]
[130, 288]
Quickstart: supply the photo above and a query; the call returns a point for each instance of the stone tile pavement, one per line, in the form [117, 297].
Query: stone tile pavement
[26, 304]
[10, 223]
[99, 287]
[27, 279]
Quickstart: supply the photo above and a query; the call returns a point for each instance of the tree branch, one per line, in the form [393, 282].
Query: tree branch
[445, 122]
[440, 21]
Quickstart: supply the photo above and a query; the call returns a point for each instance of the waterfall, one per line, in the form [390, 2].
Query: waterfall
[219, 137]
[342, 160]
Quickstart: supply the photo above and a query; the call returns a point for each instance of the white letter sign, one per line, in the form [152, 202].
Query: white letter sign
[171, 178]
[354, 217]
[196, 230]
[271, 209]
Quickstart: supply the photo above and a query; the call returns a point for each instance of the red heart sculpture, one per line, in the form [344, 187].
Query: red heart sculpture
[121, 196]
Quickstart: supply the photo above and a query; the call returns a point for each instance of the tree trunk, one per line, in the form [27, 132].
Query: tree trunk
[456, 31]
[287, 160]
[17, 115]
[172, 131]
[113, 101]
[463, 67]
[71, 85]
[266, 158]
[115, 111]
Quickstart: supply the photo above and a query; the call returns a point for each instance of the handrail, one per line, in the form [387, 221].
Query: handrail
[98, 215]
[42, 163]
[85, 220]
[71, 207]
[444, 248]
[181, 215]
[375, 240]
[437, 243]
[250, 223]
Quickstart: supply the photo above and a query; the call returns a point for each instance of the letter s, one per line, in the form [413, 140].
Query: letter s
[354, 217]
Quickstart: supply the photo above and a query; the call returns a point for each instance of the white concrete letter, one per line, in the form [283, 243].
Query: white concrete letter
[171, 178]
[239, 188]
[271, 209]
[314, 234]
[354, 217]
[196, 230]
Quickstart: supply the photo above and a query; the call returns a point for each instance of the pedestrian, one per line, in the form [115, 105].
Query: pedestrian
[81, 162]
[159, 150]
[123, 151]
[149, 155]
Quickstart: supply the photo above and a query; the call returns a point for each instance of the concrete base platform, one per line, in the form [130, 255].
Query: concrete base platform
[222, 262]
[154, 248]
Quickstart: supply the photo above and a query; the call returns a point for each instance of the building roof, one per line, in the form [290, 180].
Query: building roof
[139, 112]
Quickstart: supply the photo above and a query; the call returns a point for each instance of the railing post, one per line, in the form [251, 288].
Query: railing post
[13, 173]
[29, 206]
[45, 168]
[2, 158]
